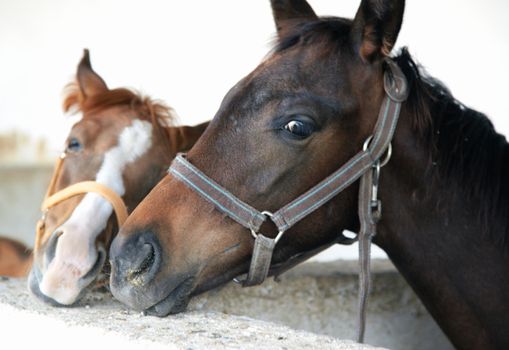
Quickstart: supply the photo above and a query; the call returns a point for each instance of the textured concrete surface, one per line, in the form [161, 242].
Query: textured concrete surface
[103, 323]
[315, 297]
[322, 298]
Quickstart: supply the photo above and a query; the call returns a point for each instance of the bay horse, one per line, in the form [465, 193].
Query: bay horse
[303, 113]
[122, 145]
[15, 258]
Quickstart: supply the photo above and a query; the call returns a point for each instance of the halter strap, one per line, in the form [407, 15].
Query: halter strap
[86, 187]
[293, 212]
[51, 199]
[363, 165]
[222, 199]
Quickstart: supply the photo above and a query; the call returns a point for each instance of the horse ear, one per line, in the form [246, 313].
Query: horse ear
[90, 82]
[376, 27]
[287, 10]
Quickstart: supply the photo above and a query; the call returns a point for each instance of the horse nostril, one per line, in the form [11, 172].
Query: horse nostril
[142, 265]
[51, 246]
[134, 259]
[98, 265]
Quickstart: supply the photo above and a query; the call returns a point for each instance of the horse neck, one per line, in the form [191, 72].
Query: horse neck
[437, 242]
[182, 138]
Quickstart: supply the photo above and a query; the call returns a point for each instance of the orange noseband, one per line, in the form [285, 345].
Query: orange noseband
[51, 199]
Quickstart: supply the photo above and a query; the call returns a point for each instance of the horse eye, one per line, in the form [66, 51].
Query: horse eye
[73, 145]
[299, 128]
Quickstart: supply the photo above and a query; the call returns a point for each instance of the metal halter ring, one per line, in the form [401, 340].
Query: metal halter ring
[387, 155]
[44, 215]
[269, 215]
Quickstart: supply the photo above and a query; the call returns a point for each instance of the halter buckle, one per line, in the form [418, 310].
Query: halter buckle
[44, 215]
[395, 82]
[375, 202]
[376, 210]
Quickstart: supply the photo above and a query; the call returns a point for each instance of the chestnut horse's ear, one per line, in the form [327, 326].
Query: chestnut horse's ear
[287, 10]
[90, 82]
[376, 27]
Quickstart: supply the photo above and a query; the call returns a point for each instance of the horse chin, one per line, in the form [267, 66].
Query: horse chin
[175, 302]
[33, 286]
[86, 282]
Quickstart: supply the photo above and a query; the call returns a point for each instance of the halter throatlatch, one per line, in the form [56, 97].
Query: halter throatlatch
[51, 199]
[365, 166]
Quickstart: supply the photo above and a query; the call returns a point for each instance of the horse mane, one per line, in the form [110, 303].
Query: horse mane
[157, 112]
[467, 157]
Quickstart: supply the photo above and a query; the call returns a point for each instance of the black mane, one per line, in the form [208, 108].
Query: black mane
[467, 157]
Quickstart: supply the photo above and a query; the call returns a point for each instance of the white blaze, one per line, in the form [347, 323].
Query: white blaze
[75, 253]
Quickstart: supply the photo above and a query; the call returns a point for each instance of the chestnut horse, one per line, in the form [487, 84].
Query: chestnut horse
[15, 258]
[124, 143]
[303, 113]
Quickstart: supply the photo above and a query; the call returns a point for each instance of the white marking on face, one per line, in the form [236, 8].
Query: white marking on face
[75, 253]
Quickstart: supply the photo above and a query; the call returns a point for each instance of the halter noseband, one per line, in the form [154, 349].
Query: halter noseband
[51, 199]
[364, 165]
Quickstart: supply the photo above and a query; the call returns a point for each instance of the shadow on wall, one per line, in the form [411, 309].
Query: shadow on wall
[25, 170]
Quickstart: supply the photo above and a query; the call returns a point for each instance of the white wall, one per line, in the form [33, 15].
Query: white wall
[189, 53]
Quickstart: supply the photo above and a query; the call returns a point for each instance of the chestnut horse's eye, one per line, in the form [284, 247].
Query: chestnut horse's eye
[299, 129]
[73, 145]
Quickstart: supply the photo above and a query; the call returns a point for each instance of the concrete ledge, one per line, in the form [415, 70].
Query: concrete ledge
[314, 297]
[322, 298]
[103, 323]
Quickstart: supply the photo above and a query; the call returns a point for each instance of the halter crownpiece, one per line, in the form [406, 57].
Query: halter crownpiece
[365, 165]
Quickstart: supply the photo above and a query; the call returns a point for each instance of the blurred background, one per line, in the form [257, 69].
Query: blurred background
[189, 53]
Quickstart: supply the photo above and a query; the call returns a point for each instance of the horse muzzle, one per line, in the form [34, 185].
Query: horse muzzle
[59, 287]
[136, 276]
